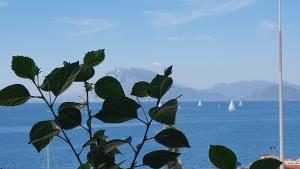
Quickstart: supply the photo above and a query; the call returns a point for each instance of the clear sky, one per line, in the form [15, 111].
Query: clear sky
[207, 41]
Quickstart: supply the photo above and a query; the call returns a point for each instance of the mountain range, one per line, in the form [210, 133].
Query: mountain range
[243, 90]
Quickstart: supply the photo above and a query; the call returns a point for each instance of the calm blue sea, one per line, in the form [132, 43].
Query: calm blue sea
[250, 131]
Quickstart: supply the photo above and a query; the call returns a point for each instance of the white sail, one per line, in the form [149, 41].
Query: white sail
[219, 106]
[231, 106]
[241, 103]
[199, 103]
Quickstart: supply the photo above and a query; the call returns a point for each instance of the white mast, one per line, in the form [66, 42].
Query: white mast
[281, 130]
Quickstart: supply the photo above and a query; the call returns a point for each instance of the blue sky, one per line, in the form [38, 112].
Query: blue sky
[207, 41]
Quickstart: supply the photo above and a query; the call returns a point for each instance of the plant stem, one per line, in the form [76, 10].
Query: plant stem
[89, 121]
[66, 139]
[144, 138]
[142, 109]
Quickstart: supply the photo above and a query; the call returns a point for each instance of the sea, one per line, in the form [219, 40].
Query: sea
[250, 131]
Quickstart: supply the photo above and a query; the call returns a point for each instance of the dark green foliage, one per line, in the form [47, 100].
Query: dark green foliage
[60, 79]
[70, 104]
[69, 118]
[159, 158]
[140, 89]
[159, 86]
[222, 157]
[118, 110]
[172, 138]
[165, 114]
[24, 67]
[268, 163]
[86, 72]
[14, 95]
[168, 71]
[107, 87]
[94, 58]
[42, 133]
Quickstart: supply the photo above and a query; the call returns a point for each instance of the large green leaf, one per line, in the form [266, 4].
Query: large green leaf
[172, 138]
[94, 58]
[107, 87]
[222, 157]
[86, 72]
[24, 67]
[140, 89]
[159, 86]
[118, 110]
[42, 133]
[60, 79]
[69, 118]
[113, 144]
[65, 105]
[159, 158]
[14, 95]
[165, 114]
[268, 163]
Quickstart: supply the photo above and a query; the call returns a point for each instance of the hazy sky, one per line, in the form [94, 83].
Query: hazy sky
[207, 41]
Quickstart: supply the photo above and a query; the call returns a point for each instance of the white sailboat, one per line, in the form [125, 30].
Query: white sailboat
[231, 107]
[219, 106]
[241, 103]
[199, 103]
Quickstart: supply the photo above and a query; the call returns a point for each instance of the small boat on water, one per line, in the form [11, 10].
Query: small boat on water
[241, 103]
[199, 103]
[219, 106]
[231, 106]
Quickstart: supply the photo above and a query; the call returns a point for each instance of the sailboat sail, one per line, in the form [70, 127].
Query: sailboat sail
[241, 103]
[231, 106]
[199, 103]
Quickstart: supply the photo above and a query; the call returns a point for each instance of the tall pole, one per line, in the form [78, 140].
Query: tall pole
[281, 129]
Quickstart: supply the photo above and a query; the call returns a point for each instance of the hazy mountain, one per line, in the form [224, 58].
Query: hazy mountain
[245, 90]
[128, 77]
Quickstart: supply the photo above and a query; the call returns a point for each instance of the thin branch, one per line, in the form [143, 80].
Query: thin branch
[67, 140]
[84, 128]
[132, 166]
[36, 97]
[142, 109]
[132, 147]
[62, 138]
[150, 138]
[142, 165]
[141, 120]
[89, 121]
[81, 150]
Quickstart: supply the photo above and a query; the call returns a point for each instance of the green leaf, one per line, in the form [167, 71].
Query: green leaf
[100, 134]
[97, 158]
[89, 142]
[140, 89]
[70, 104]
[94, 58]
[118, 110]
[42, 133]
[168, 71]
[107, 87]
[159, 158]
[268, 163]
[159, 86]
[112, 144]
[172, 138]
[85, 166]
[60, 79]
[14, 95]
[24, 67]
[222, 157]
[166, 114]
[86, 72]
[69, 118]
